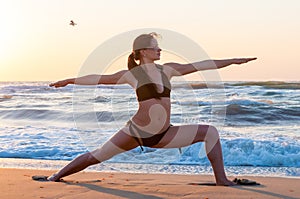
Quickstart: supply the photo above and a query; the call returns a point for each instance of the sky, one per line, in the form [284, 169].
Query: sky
[38, 44]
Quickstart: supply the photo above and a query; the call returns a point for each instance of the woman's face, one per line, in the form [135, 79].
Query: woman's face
[153, 52]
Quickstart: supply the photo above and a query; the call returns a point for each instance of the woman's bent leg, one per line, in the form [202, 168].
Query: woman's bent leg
[180, 136]
[214, 153]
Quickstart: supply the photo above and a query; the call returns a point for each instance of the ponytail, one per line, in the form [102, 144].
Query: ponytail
[139, 73]
[131, 61]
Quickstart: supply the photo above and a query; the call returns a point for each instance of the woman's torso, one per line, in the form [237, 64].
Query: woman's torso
[153, 114]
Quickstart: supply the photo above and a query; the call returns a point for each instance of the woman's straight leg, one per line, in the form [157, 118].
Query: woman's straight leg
[119, 143]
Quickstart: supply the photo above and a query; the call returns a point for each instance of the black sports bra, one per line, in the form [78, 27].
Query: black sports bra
[148, 90]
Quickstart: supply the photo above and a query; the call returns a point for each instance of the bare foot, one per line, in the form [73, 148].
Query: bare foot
[226, 183]
[53, 178]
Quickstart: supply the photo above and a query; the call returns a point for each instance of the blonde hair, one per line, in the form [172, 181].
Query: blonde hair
[143, 41]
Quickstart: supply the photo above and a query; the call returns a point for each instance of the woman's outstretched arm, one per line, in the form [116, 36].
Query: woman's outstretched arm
[116, 78]
[183, 69]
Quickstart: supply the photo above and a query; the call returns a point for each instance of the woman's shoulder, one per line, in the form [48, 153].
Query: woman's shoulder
[171, 64]
[129, 77]
[169, 68]
[174, 68]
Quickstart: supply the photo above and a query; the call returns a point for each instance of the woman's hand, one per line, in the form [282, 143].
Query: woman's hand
[243, 60]
[61, 83]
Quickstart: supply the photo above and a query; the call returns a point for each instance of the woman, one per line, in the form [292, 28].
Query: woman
[150, 126]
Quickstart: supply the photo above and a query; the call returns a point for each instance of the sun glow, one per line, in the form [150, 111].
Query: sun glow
[11, 38]
[5, 41]
[5, 38]
[9, 30]
[37, 42]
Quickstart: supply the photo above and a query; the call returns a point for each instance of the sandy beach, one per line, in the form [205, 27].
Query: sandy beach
[17, 183]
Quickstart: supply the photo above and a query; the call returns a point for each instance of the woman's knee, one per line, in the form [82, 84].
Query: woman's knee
[92, 159]
[212, 133]
[207, 132]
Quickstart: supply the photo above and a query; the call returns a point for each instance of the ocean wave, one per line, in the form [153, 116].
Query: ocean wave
[291, 111]
[26, 88]
[33, 114]
[118, 86]
[270, 84]
[101, 99]
[236, 109]
[198, 85]
[46, 143]
[241, 115]
[237, 152]
[248, 152]
[272, 93]
[242, 102]
[5, 97]
[221, 85]
[102, 116]
[192, 103]
[249, 102]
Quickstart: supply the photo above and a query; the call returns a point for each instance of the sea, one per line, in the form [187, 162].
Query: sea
[259, 124]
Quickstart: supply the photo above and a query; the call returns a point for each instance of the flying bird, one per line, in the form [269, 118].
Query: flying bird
[72, 23]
